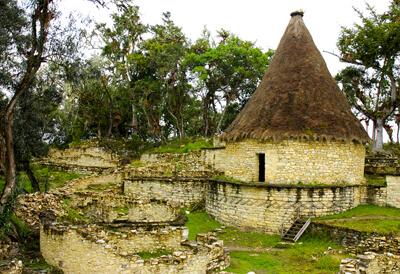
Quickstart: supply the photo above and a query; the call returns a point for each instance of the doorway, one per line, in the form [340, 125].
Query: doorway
[261, 167]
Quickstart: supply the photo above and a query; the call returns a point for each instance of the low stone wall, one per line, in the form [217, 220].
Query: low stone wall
[393, 191]
[371, 263]
[86, 159]
[193, 160]
[357, 242]
[373, 195]
[382, 165]
[75, 252]
[109, 207]
[272, 208]
[185, 191]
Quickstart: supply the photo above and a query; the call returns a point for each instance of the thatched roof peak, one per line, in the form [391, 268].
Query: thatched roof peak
[297, 98]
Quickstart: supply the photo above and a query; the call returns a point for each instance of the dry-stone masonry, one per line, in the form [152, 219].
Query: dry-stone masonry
[272, 208]
[371, 263]
[82, 250]
[291, 161]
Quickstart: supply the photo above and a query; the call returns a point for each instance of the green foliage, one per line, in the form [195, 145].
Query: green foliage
[53, 178]
[372, 50]
[367, 218]
[72, 214]
[183, 146]
[375, 180]
[200, 222]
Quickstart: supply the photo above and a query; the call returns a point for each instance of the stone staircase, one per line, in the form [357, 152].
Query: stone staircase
[296, 230]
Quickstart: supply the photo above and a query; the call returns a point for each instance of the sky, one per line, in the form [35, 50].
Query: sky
[260, 21]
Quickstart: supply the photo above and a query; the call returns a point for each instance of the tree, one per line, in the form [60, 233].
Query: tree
[228, 72]
[22, 57]
[121, 48]
[371, 82]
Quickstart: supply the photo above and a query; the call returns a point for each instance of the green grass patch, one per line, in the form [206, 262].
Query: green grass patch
[182, 146]
[200, 222]
[367, 218]
[122, 210]
[364, 210]
[375, 180]
[154, 254]
[40, 265]
[73, 215]
[306, 256]
[234, 237]
[54, 178]
[225, 179]
[261, 255]
[137, 163]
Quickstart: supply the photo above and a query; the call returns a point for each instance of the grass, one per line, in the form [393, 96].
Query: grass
[225, 179]
[258, 252]
[121, 210]
[54, 178]
[73, 215]
[375, 180]
[137, 163]
[367, 218]
[182, 146]
[154, 254]
[45, 176]
[305, 257]
[200, 222]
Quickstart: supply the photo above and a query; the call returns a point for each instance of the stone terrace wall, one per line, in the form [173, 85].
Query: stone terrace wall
[185, 191]
[267, 208]
[194, 159]
[110, 207]
[374, 195]
[357, 242]
[292, 161]
[90, 159]
[382, 165]
[393, 191]
[73, 253]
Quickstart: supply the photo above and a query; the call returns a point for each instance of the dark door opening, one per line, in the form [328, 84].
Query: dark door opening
[261, 167]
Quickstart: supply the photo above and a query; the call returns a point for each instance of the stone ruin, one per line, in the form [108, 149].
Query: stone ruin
[120, 232]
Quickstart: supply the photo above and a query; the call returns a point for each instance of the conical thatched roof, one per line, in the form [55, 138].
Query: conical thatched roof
[297, 98]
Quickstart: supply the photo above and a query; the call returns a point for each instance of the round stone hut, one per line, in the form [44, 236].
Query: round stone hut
[297, 127]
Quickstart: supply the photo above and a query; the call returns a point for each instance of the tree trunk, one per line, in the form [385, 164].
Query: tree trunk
[31, 176]
[221, 119]
[9, 163]
[378, 142]
[398, 130]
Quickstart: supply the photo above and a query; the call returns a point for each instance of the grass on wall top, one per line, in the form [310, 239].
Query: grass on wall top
[367, 218]
[182, 146]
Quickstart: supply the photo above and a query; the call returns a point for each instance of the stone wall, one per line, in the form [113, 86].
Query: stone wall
[292, 161]
[357, 242]
[110, 207]
[185, 191]
[272, 208]
[371, 263]
[73, 252]
[374, 195]
[194, 160]
[393, 191]
[382, 165]
[90, 159]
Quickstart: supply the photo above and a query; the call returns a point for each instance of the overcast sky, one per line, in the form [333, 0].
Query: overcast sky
[262, 22]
